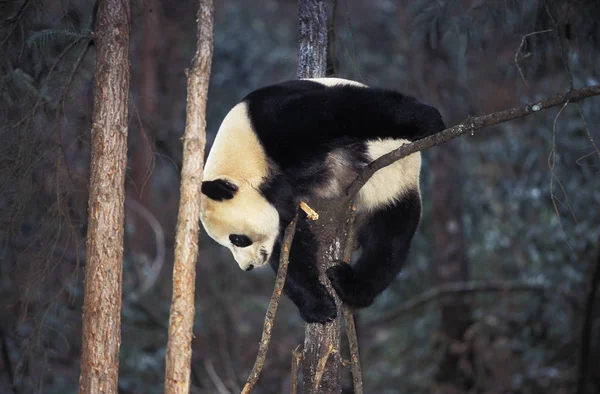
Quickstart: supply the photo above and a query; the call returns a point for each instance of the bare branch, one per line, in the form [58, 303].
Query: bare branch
[586, 128]
[296, 358]
[552, 166]
[469, 126]
[357, 381]
[17, 16]
[149, 270]
[520, 48]
[215, 378]
[469, 288]
[181, 318]
[284, 259]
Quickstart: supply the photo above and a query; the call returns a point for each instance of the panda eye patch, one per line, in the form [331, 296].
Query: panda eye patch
[241, 241]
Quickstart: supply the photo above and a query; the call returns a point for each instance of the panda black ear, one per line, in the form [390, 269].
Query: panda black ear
[219, 189]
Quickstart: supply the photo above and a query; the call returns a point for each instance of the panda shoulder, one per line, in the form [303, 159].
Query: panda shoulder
[331, 82]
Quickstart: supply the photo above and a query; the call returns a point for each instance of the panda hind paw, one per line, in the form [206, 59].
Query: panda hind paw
[348, 288]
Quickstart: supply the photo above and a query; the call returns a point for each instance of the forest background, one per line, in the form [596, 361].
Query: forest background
[510, 212]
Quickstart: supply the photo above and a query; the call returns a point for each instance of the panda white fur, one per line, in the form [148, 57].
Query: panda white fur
[311, 137]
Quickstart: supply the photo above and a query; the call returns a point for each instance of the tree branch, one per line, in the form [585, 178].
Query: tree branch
[296, 358]
[357, 382]
[181, 317]
[470, 125]
[284, 259]
[468, 288]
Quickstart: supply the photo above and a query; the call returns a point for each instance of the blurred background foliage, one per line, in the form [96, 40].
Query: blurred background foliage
[529, 191]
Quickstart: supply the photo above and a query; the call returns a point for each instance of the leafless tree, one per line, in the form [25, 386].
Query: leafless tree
[181, 320]
[104, 262]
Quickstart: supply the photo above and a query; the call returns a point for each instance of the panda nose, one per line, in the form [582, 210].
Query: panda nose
[250, 267]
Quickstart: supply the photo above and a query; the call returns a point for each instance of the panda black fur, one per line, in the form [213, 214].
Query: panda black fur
[303, 138]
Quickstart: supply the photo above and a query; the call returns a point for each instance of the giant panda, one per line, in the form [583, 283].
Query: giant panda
[310, 138]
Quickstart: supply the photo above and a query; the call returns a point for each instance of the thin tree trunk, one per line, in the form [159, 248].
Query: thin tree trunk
[181, 320]
[102, 298]
[321, 353]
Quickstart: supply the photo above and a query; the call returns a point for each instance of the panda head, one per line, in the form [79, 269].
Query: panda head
[233, 211]
[238, 217]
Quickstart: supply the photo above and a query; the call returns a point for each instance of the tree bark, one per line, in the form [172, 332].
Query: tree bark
[181, 320]
[102, 297]
[321, 353]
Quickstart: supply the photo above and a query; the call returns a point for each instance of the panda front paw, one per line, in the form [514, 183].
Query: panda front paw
[350, 290]
[321, 309]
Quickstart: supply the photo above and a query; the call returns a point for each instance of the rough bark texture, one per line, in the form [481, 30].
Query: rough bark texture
[181, 320]
[322, 342]
[312, 49]
[321, 353]
[102, 300]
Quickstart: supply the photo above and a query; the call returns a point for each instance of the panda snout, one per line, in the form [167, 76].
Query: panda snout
[250, 267]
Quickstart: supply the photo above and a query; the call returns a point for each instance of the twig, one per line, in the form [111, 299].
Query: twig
[312, 215]
[149, 276]
[288, 237]
[469, 126]
[564, 49]
[45, 83]
[14, 20]
[321, 365]
[60, 106]
[16, 16]
[296, 358]
[468, 288]
[357, 381]
[552, 166]
[215, 378]
[521, 47]
[586, 128]
[586, 328]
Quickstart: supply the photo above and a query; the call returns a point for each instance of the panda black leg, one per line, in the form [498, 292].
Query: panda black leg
[385, 241]
[302, 284]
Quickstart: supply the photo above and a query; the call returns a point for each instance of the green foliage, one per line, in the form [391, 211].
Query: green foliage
[42, 39]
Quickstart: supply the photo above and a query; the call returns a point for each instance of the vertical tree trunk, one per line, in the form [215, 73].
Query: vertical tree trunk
[181, 320]
[102, 298]
[321, 354]
[312, 48]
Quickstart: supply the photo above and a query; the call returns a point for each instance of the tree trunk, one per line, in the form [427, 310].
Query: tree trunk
[181, 320]
[321, 354]
[102, 298]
